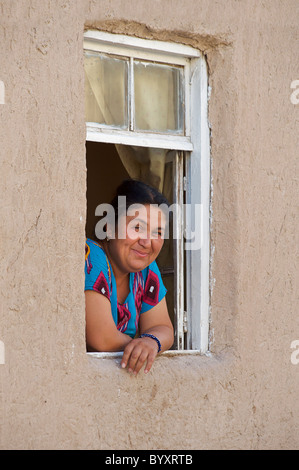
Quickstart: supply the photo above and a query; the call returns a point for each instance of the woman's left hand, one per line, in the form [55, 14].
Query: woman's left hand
[138, 352]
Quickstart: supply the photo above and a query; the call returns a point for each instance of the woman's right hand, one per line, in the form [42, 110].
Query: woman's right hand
[139, 352]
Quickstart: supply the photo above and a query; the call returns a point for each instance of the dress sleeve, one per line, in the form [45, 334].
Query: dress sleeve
[154, 289]
[97, 274]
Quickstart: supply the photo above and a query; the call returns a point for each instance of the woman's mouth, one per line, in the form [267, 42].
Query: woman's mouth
[141, 254]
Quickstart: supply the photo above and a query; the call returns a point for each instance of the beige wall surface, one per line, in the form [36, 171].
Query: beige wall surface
[244, 393]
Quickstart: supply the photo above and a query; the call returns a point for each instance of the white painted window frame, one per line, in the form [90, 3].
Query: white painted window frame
[195, 186]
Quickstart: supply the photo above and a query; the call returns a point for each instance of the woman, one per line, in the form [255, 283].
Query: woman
[123, 286]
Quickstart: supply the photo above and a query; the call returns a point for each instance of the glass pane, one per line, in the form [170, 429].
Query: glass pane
[106, 90]
[158, 97]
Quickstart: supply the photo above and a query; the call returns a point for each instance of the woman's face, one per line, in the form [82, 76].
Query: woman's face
[139, 239]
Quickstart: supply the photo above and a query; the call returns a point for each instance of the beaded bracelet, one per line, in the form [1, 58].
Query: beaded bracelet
[153, 337]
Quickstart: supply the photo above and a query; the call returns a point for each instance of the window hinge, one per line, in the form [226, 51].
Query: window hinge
[185, 322]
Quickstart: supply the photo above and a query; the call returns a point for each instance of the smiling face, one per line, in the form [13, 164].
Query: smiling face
[139, 240]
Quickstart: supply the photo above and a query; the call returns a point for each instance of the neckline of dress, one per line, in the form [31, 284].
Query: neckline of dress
[126, 299]
[110, 266]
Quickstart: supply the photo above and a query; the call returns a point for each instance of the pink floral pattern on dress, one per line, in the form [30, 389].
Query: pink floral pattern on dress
[123, 317]
[101, 285]
[151, 291]
[138, 289]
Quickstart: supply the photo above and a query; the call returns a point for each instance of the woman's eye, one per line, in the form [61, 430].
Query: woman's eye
[157, 234]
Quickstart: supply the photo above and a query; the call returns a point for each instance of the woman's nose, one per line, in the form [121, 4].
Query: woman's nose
[145, 242]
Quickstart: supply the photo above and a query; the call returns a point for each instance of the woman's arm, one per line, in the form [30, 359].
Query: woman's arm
[139, 351]
[101, 331]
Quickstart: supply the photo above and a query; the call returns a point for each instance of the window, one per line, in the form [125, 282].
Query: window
[146, 117]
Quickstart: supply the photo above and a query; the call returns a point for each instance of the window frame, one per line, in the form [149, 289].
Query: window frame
[193, 184]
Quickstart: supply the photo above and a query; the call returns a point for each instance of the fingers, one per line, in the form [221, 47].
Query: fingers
[150, 361]
[138, 353]
[126, 354]
[136, 363]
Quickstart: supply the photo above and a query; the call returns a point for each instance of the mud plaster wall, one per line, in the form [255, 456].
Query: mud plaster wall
[245, 393]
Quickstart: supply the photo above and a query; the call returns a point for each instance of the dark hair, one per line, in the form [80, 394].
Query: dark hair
[134, 192]
[138, 192]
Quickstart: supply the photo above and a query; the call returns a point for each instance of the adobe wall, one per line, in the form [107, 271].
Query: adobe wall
[244, 394]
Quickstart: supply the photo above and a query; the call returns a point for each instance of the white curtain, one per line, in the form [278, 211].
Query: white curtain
[155, 109]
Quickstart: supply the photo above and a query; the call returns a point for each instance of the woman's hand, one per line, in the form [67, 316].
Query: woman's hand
[138, 352]
[144, 350]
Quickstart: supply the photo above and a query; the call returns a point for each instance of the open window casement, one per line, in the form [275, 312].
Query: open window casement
[149, 100]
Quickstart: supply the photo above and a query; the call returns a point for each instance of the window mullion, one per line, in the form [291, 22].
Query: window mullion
[187, 87]
[131, 97]
[188, 266]
[179, 249]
